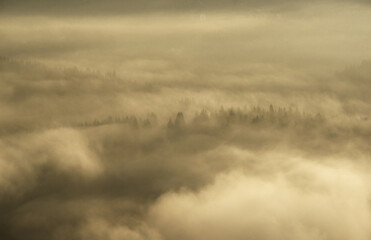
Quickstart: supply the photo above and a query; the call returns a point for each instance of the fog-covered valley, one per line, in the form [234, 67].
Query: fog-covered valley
[185, 120]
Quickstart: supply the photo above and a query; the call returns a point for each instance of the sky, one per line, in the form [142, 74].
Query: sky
[189, 120]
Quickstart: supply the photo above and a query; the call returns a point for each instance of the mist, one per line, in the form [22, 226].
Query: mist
[185, 120]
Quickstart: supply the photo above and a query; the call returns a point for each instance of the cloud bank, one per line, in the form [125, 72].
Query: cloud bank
[185, 120]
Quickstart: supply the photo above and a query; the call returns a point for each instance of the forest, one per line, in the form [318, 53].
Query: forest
[185, 120]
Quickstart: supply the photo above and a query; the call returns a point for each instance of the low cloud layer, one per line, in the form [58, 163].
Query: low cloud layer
[309, 202]
[185, 120]
[219, 175]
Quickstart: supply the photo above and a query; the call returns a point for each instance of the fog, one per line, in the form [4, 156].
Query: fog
[185, 120]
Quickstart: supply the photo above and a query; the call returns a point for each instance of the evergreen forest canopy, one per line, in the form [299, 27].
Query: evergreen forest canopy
[186, 120]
